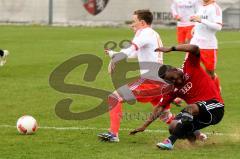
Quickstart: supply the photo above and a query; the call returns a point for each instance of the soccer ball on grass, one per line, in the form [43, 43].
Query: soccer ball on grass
[27, 125]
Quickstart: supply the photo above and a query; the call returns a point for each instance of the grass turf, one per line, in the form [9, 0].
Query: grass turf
[37, 51]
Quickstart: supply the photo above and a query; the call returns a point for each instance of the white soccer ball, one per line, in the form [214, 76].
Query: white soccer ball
[27, 125]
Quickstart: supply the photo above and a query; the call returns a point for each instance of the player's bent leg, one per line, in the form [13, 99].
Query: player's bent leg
[178, 130]
[210, 113]
[181, 127]
[205, 113]
[183, 122]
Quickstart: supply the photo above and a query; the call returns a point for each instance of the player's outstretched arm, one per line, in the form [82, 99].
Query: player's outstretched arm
[115, 57]
[129, 52]
[157, 111]
[193, 49]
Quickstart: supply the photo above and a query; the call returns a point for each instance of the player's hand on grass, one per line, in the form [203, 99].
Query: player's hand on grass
[163, 49]
[141, 129]
[111, 67]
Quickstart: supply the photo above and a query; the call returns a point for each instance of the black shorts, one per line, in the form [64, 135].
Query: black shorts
[210, 113]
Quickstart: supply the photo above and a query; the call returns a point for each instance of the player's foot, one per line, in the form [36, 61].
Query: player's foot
[165, 145]
[178, 102]
[110, 137]
[3, 58]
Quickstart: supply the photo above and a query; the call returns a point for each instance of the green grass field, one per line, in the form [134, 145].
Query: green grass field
[24, 89]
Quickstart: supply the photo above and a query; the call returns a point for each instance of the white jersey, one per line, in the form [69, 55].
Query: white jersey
[184, 9]
[204, 36]
[146, 41]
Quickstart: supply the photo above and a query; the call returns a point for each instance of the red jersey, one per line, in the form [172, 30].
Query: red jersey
[198, 85]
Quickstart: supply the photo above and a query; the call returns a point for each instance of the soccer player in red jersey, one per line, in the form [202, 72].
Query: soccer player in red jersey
[205, 104]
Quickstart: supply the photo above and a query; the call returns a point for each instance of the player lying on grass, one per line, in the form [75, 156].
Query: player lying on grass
[149, 87]
[192, 84]
[3, 57]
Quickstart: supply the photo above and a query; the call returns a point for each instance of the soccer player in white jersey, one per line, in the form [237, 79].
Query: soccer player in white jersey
[182, 10]
[209, 21]
[149, 87]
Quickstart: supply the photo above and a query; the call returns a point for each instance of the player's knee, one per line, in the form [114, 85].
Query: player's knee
[192, 109]
[188, 109]
[113, 100]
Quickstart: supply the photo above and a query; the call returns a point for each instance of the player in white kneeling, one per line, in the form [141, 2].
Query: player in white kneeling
[3, 57]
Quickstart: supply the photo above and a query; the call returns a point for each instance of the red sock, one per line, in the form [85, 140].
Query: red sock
[217, 83]
[115, 112]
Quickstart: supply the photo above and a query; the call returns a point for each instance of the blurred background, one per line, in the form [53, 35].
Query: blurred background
[99, 12]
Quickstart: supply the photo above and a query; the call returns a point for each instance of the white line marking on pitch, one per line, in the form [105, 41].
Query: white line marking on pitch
[106, 129]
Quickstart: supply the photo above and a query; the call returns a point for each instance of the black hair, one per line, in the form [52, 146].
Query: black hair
[163, 69]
